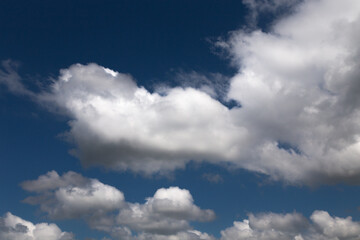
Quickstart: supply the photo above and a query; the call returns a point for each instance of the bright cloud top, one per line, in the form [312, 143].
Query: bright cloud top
[13, 227]
[167, 213]
[297, 86]
[120, 125]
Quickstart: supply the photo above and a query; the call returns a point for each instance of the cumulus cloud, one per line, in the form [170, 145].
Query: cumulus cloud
[71, 195]
[167, 212]
[117, 124]
[13, 227]
[297, 86]
[293, 226]
[185, 235]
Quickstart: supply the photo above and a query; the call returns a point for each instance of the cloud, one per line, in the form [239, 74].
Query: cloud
[263, 226]
[293, 226]
[260, 8]
[297, 85]
[72, 195]
[10, 78]
[13, 227]
[186, 235]
[167, 212]
[122, 126]
[214, 84]
[104, 208]
[335, 227]
[212, 177]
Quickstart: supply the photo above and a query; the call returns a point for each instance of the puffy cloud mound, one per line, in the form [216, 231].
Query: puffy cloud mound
[120, 125]
[293, 227]
[71, 195]
[167, 212]
[13, 227]
[297, 85]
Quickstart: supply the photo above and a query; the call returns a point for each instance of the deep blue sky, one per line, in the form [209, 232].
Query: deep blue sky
[144, 38]
[151, 40]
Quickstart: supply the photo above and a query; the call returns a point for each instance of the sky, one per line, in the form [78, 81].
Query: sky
[180, 120]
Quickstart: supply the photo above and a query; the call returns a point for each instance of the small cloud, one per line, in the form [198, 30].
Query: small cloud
[213, 178]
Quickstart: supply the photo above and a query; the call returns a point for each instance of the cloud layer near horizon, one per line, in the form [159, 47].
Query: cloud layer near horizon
[103, 207]
[166, 215]
[293, 226]
[297, 86]
[13, 227]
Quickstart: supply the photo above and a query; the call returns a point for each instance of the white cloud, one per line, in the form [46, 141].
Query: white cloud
[335, 227]
[297, 86]
[168, 212]
[185, 235]
[10, 78]
[298, 89]
[13, 227]
[123, 126]
[293, 227]
[72, 195]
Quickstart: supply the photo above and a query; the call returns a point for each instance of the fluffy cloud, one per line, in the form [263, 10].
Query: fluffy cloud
[293, 227]
[123, 126]
[186, 235]
[297, 86]
[13, 227]
[167, 212]
[264, 226]
[125, 234]
[71, 195]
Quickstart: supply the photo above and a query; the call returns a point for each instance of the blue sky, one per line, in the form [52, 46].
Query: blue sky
[151, 120]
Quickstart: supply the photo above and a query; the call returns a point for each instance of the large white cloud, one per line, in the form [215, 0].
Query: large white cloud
[13, 227]
[71, 195]
[297, 85]
[294, 226]
[120, 125]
